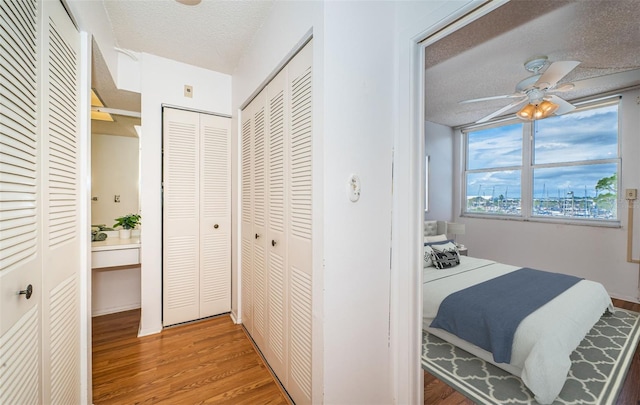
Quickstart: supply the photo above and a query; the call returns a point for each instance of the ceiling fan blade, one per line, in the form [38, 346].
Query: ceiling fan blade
[500, 111]
[614, 80]
[563, 106]
[555, 72]
[515, 95]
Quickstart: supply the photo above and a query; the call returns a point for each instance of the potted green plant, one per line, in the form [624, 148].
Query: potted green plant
[127, 222]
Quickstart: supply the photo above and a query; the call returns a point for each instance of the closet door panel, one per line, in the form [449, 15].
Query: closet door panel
[258, 189]
[181, 172]
[215, 215]
[246, 219]
[20, 212]
[299, 225]
[276, 349]
[61, 186]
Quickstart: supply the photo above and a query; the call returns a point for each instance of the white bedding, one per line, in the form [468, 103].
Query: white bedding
[543, 341]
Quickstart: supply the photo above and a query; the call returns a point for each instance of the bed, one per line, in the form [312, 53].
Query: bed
[543, 341]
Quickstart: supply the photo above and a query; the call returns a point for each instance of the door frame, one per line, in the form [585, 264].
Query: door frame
[409, 190]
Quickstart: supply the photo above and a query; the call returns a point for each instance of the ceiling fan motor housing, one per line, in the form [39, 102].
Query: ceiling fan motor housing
[534, 65]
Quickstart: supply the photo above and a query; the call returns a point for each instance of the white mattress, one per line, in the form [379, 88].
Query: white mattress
[543, 341]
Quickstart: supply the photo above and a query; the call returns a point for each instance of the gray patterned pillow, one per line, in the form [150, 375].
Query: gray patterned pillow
[428, 250]
[445, 256]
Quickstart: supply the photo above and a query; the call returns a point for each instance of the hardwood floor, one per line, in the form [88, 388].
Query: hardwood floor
[437, 392]
[211, 361]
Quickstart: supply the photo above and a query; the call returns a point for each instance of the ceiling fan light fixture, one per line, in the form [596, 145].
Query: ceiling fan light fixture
[539, 111]
[527, 112]
[546, 108]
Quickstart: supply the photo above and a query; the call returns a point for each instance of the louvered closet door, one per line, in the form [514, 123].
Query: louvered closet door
[299, 148]
[39, 204]
[215, 215]
[276, 348]
[61, 191]
[20, 256]
[259, 194]
[247, 234]
[181, 196]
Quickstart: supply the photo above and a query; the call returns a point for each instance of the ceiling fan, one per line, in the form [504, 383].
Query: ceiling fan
[535, 89]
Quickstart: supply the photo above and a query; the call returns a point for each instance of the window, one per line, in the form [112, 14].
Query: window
[564, 167]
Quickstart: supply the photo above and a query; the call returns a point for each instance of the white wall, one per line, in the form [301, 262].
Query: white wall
[366, 301]
[438, 144]
[115, 289]
[162, 81]
[359, 123]
[114, 171]
[591, 252]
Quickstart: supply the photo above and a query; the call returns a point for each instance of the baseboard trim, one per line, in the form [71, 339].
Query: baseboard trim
[113, 310]
[268, 366]
[235, 318]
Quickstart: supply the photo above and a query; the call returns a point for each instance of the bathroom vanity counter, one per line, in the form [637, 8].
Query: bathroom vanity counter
[116, 244]
[114, 251]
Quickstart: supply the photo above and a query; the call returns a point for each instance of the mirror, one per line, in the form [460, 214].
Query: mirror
[115, 150]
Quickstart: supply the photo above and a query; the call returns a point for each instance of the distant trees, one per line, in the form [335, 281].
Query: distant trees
[607, 193]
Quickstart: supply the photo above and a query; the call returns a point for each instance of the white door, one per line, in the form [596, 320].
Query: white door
[181, 212]
[215, 215]
[276, 349]
[61, 236]
[20, 254]
[39, 196]
[299, 150]
[196, 216]
[246, 220]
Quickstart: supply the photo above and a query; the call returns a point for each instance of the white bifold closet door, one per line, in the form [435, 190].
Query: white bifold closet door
[276, 224]
[196, 215]
[39, 204]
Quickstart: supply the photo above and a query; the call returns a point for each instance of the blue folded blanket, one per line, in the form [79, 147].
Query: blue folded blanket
[488, 314]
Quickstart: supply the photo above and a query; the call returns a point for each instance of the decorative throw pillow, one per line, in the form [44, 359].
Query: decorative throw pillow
[445, 256]
[428, 250]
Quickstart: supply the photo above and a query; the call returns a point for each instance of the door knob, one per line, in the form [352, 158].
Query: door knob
[257, 236]
[273, 242]
[27, 293]
[216, 226]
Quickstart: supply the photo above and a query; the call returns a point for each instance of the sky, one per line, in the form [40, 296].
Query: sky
[569, 138]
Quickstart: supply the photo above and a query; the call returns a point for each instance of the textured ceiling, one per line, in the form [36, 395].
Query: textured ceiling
[212, 35]
[486, 57]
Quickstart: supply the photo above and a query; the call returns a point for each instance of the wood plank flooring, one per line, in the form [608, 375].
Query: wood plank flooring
[211, 361]
[437, 392]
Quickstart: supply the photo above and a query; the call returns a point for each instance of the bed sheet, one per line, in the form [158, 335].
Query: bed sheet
[543, 341]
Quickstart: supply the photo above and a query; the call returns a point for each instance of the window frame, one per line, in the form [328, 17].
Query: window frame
[528, 168]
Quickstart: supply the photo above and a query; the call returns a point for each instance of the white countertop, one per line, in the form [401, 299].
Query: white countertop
[115, 243]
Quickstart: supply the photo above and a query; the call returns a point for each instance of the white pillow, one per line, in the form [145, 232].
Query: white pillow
[435, 238]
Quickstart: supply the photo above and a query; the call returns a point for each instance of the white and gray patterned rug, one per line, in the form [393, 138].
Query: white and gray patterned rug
[599, 366]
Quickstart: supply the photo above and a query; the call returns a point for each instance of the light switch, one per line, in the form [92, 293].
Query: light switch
[188, 91]
[116, 198]
[353, 188]
[631, 193]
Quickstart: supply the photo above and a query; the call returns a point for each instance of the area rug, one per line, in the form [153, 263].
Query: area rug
[598, 369]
